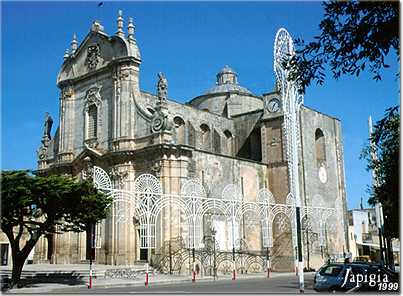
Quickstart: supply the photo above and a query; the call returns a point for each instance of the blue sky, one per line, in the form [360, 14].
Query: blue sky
[190, 43]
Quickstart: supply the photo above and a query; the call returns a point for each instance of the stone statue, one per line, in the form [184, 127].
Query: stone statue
[162, 88]
[47, 127]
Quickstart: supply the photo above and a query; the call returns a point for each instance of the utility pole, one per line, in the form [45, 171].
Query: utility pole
[307, 248]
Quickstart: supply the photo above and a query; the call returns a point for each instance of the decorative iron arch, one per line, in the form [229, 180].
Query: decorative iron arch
[147, 200]
[101, 180]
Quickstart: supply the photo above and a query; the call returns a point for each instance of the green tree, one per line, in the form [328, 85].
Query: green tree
[382, 155]
[354, 36]
[32, 206]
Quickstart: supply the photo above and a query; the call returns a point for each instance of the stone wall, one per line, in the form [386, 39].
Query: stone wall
[328, 183]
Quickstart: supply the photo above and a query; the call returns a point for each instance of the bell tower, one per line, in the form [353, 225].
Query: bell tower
[273, 148]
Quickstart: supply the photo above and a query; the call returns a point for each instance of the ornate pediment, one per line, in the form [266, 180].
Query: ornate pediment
[93, 96]
[96, 52]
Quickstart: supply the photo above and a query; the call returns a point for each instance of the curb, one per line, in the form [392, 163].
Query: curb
[137, 284]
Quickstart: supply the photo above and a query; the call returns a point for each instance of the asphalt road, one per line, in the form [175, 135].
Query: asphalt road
[280, 284]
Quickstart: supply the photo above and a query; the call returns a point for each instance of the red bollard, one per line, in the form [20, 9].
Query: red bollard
[90, 284]
[146, 281]
[233, 275]
[194, 272]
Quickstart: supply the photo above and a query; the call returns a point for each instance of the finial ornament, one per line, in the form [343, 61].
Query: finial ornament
[66, 54]
[159, 121]
[97, 27]
[162, 89]
[74, 43]
[120, 24]
[130, 29]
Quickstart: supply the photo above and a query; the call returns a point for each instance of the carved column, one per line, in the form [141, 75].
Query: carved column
[120, 245]
[126, 85]
[67, 119]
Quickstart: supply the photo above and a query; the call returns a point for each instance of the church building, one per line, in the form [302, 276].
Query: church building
[226, 135]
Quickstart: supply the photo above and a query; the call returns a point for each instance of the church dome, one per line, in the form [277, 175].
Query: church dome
[227, 69]
[227, 81]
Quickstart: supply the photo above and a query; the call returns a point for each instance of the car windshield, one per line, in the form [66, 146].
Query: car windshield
[332, 270]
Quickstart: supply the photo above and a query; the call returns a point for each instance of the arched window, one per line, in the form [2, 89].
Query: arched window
[92, 118]
[320, 147]
[205, 130]
[229, 142]
[179, 130]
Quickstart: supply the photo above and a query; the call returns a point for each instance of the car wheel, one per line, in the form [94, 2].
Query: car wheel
[333, 289]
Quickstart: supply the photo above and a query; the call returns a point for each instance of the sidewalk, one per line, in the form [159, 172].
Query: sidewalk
[62, 285]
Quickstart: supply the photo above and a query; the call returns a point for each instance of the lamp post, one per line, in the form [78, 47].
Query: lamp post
[233, 243]
[194, 240]
[170, 257]
[268, 261]
[213, 233]
[307, 248]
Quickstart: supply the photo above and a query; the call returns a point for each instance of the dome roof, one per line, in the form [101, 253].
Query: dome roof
[228, 87]
[226, 69]
[227, 81]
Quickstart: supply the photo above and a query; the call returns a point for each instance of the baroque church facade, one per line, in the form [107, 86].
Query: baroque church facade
[227, 135]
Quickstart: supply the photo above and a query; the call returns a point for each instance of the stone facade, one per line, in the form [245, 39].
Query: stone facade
[227, 135]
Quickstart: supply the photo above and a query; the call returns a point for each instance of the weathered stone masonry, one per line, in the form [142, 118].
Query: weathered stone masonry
[226, 135]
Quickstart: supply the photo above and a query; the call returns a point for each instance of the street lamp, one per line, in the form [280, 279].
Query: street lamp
[213, 233]
[268, 261]
[307, 247]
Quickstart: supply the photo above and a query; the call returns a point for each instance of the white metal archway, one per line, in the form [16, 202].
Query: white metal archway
[148, 199]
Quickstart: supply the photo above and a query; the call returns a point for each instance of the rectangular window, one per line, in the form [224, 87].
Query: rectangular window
[92, 122]
[331, 270]
[98, 235]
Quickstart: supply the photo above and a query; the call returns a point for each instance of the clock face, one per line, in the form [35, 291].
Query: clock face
[322, 174]
[273, 105]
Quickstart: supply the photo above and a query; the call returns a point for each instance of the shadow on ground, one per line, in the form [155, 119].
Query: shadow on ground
[70, 279]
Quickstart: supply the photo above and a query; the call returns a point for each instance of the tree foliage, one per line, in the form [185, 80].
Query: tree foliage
[382, 155]
[354, 36]
[32, 206]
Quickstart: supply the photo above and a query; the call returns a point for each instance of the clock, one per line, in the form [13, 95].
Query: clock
[322, 174]
[273, 105]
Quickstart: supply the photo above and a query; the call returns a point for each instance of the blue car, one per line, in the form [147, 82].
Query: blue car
[334, 277]
[331, 277]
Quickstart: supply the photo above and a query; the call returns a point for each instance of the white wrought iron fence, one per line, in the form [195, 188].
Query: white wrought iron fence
[147, 200]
